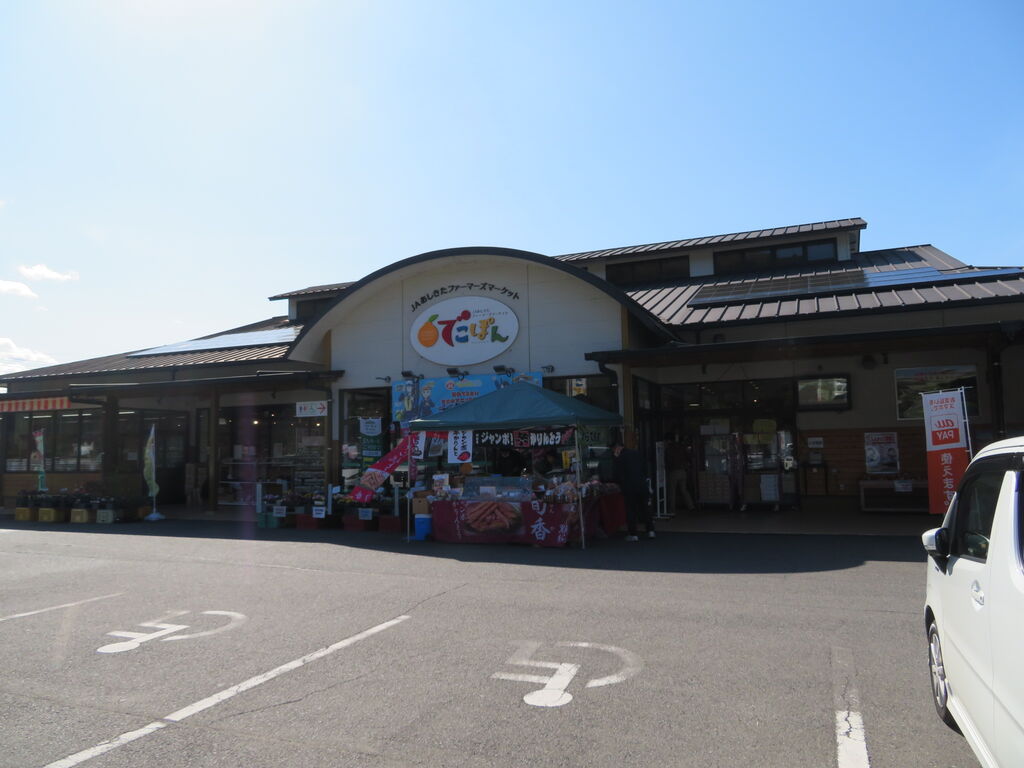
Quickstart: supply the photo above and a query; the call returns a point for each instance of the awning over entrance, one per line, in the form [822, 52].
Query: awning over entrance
[993, 336]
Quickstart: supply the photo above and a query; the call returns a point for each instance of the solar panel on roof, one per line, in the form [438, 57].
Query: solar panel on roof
[832, 282]
[226, 341]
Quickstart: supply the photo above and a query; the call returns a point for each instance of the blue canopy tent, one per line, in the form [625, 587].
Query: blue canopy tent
[523, 406]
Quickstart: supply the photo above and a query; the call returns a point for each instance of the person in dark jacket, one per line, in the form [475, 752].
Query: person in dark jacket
[628, 469]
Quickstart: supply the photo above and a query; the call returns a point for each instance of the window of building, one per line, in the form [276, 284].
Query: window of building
[66, 441]
[19, 442]
[71, 441]
[309, 308]
[648, 271]
[770, 258]
[90, 450]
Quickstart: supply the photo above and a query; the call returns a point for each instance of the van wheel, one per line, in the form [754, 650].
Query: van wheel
[940, 686]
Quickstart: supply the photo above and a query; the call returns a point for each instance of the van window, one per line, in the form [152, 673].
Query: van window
[975, 508]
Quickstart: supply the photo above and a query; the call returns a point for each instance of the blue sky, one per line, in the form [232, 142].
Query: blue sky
[166, 165]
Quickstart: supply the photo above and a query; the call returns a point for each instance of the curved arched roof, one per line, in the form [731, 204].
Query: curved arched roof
[642, 315]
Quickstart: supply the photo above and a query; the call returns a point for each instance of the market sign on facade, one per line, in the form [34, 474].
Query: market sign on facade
[463, 331]
[35, 404]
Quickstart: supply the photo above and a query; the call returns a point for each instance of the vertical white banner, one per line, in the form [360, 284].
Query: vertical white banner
[460, 446]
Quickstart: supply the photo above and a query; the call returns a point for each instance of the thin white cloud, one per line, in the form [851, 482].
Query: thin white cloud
[12, 288]
[43, 272]
[14, 358]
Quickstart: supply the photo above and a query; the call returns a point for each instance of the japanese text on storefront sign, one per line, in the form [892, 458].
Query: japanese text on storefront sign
[523, 439]
[453, 289]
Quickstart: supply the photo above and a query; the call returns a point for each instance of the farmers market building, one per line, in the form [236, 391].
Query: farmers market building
[779, 367]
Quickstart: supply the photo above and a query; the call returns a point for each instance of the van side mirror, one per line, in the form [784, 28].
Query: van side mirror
[936, 544]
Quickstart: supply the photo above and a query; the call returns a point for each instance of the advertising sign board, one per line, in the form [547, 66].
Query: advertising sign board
[948, 445]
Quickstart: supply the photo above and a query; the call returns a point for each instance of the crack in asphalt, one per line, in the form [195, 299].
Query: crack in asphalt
[428, 598]
[305, 696]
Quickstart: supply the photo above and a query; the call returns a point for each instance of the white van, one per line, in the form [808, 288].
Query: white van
[974, 607]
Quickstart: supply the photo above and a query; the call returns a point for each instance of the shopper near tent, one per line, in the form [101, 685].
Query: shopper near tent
[628, 469]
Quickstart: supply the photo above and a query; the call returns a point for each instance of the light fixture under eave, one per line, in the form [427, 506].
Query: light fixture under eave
[548, 368]
[457, 372]
[411, 375]
[504, 369]
[385, 379]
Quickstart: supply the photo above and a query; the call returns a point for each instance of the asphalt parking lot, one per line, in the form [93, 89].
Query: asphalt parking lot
[217, 644]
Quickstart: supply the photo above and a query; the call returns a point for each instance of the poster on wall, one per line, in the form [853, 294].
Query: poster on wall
[947, 438]
[911, 383]
[881, 453]
[371, 440]
[417, 399]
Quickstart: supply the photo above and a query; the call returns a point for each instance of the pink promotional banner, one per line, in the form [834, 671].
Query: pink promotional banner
[948, 442]
[381, 470]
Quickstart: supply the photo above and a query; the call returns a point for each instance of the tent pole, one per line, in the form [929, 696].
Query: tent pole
[579, 487]
[408, 501]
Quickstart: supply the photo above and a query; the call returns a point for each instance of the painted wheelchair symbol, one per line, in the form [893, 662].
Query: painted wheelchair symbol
[166, 631]
[554, 693]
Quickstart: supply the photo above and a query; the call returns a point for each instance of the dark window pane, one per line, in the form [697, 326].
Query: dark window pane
[728, 263]
[676, 268]
[789, 254]
[822, 251]
[19, 442]
[91, 446]
[65, 451]
[128, 440]
[975, 509]
[726, 394]
[646, 271]
[758, 260]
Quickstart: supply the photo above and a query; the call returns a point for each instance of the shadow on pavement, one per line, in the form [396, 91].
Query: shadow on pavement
[691, 552]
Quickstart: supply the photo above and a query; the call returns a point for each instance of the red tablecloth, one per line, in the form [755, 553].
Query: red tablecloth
[528, 522]
[611, 512]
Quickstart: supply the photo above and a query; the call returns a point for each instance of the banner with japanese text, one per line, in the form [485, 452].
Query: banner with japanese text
[375, 475]
[948, 445]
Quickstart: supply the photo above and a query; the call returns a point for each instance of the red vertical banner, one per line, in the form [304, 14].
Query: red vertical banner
[948, 444]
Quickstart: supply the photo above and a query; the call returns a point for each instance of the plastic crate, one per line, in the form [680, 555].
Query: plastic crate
[272, 521]
[80, 515]
[107, 516]
[53, 515]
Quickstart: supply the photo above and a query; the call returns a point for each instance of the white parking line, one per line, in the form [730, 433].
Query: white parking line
[851, 742]
[217, 698]
[58, 607]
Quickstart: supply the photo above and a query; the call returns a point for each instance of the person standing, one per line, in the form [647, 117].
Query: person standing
[632, 481]
[677, 460]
